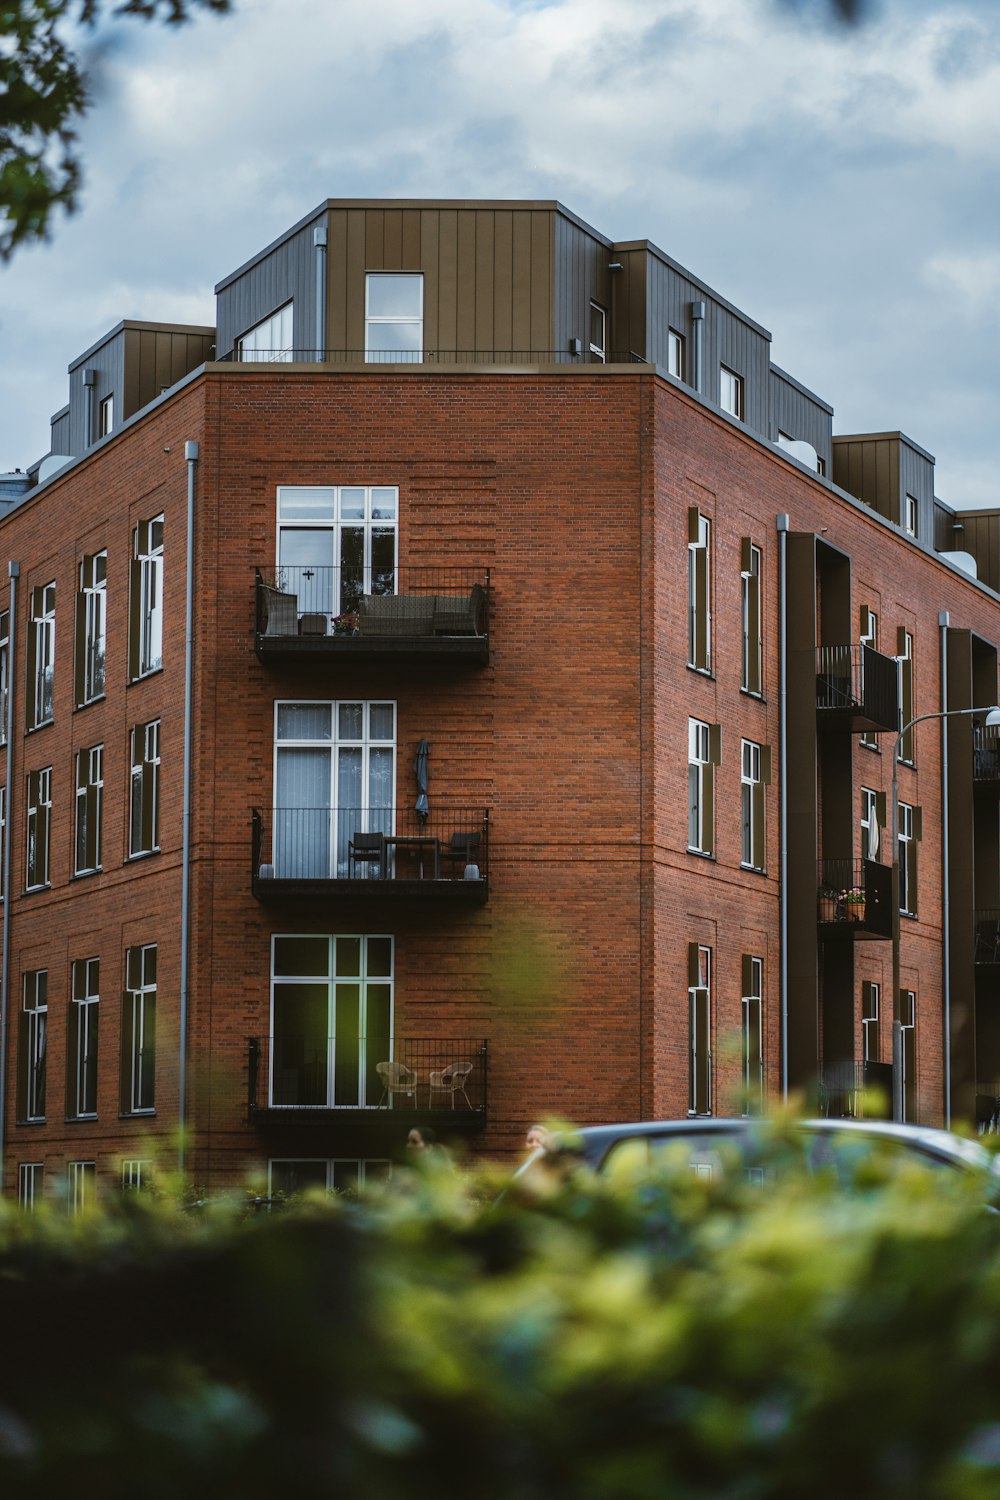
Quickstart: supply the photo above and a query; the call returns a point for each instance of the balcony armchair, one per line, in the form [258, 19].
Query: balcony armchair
[280, 611]
[463, 849]
[450, 1080]
[397, 1078]
[366, 849]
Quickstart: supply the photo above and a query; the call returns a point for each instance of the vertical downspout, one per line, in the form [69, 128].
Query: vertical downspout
[943, 623]
[88, 407]
[14, 571]
[783, 791]
[191, 458]
[319, 243]
[698, 319]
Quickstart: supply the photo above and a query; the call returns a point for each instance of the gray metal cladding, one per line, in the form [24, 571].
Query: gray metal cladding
[582, 276]
[285, 273]
[881, 468]
[800, 415]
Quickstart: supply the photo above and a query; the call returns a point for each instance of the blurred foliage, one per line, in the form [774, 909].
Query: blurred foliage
[44, 91]
[562, 1336]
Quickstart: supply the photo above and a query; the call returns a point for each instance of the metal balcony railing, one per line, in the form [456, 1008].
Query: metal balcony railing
[987, 937]
[857, 687]
[986, 754]
[315, 604]
[296, 1070]
[311, 355]
[855, 1090]
[296, 847]
[855, 896]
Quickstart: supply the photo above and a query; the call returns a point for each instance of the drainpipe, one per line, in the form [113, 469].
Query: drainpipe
[191, 458]
[698, 319]
[14, 572]
[943, 623]
[783, 791]
[88, 407]
[319, 244]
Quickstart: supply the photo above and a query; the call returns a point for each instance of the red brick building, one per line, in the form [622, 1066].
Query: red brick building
[530, 748]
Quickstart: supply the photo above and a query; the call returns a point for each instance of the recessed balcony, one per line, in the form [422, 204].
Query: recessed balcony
[857, 690]
[302, 1076]
[986, 763]
[306, 613]
[856, 1090]
[371, 853]
[855, 900]
[987, 953]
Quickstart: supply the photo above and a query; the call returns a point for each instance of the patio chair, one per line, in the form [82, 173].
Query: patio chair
[450, 1080]
[463, 848]
[366, 849]
[280, 610]
[397, 1078]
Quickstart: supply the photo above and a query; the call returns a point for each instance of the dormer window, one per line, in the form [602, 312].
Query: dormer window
[598, 331]
[394, 317]
[269, 341]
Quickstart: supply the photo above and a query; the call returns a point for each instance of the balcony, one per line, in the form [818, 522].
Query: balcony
[857, 689]
[986, 763]
[306, 613]
[855, 900]
[294, 1077]
[301, 852]
[988, 941]
[856, 1091]
[431, 357]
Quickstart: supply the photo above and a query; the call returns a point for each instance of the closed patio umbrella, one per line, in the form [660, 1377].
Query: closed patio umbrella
[420, 772]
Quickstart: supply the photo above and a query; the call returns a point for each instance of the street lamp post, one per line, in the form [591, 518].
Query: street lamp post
[992, 719]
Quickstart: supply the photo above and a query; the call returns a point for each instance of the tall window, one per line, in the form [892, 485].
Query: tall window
[394, 317]
[91, 628]
[106, 416]
[908, 1039]
[699, 590]
[4, 671]
[700, 1003]
[81, 1186]
[336, 544]
[30, 1182]
[750, 601]
[598, 331]
[731, 392]
[753, 1046]
[81, 1038]
[38, 825]
[137, 1174]
[869, 638]
[41, 656]
[331, 1019]
[89, 798]
[675, 354]
[904, 656]
[910, 514]
[145, 638]
[335, 776]
[909, 834]
[871, 1047]
[138, 1074]
[144, 790]
[755, 773]
[32, 1044]
[872, 822]
[704, 746]
[270, 340]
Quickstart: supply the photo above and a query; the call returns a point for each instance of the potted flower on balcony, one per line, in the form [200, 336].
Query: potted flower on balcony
[347, 623]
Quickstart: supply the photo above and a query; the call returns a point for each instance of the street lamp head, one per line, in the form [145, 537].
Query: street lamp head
[993, 719]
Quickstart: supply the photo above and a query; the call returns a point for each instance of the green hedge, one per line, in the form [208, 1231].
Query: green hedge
[666, 1339]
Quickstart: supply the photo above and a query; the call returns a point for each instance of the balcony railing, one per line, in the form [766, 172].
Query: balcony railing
[442, 1076]
[305, 610]
[857, 689]
[855, 898]
[857, 1091]
[312, 355]
[986, 759]
[370, 852]
[987, 938]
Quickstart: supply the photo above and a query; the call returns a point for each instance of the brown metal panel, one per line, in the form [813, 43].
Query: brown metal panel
[336, 279]
[374, 239]
[503, 273]
[485, 281]
[522, 279]
[542, 277]
[132, 397]
[412, 247]
[448, 279]
[162, 352]
[420, 238]
[392, 241]
[357, 257]
[465, 310]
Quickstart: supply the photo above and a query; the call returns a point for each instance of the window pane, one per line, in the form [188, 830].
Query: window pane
[379, 957]
[304, 721]
[352, 504]
[306, 504]
[301, 955]
[392, 338]
[380, 721]
[350, 721]
[383, 504]
[348, 963]
[348, 1004]
[395, 296]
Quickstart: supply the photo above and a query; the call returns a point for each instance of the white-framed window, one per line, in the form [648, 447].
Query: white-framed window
[699, 590]
[106, 416]
[908, 1050]
[336, 543]
[82, 1036]
[598, 331]
[91, 628]
[145, 645]
[700, 1006]
[676, 362]
[334, 777]
[869, 638]
[33, 1043]
[911, 512]
[872, 822]
[871, 997]
[137, 1174]
[753, 1035]
[41, 656]
[39, 822]
[904, 658]
[4, 671]
[138, 1076]
[331, 1019]
[394, 317]
[909, 835]
[731, 392]
[269, 341]
[89, 808]
[81, 1186]
[30, 1184]
[288, 1177]
[752, 646]
[704, 742]
[755, 773]
[144, 789]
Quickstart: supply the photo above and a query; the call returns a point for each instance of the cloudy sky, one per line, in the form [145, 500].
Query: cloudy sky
[839, 185]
